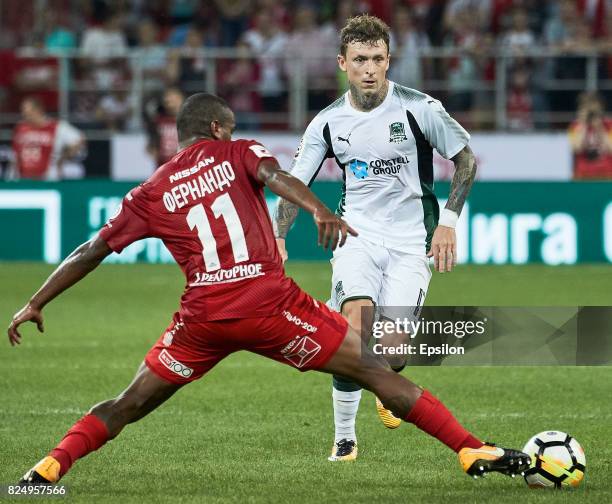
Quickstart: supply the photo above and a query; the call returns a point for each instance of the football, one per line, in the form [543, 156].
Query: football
[557, 460]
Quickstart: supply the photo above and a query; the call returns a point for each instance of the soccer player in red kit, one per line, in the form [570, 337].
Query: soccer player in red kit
[42, 144]
[207, 205]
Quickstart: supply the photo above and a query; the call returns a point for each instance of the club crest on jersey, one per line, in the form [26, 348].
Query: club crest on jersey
[301, 350]
[397, 134]
[359, 168]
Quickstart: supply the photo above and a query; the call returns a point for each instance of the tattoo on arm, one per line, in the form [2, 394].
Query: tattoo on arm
[465, 171]
[284, 216]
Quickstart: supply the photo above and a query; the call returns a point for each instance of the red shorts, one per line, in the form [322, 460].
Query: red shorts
[305, 334]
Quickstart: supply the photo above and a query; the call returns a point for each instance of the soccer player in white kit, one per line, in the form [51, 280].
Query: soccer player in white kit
[382, 136]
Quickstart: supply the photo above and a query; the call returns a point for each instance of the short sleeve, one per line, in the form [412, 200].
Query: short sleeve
[444, 134]
[254, 153]
[310, 154]
[68, 134]
[130, 223]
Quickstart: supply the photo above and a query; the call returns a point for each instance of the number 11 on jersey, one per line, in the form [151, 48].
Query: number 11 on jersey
[224, 207]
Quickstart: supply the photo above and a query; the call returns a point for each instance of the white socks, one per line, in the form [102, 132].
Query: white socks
[346, 405]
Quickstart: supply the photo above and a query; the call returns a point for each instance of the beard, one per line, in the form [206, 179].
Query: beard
[368, 101]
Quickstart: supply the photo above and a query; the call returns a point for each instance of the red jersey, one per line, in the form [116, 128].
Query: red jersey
[168, 138]
[519, 108]
[208, 207]
[592, 162]
[33, 147]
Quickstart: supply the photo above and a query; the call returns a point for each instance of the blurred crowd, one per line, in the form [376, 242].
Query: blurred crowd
[167, 38]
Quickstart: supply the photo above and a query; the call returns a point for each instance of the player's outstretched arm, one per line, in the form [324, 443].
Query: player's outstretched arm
[77, 265]
[333, 231]
[444, 241]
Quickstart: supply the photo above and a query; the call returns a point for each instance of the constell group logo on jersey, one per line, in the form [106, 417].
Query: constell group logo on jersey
[361, 169]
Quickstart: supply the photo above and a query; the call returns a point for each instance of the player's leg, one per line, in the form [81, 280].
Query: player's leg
[184, 353]
[102, 423]
[146, 392]
[408, 401]
[404, 288]
[346, 394]
[356, 282]
[325, 342]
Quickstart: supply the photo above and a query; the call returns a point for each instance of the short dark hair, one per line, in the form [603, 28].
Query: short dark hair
[197, 112]
[365, 29]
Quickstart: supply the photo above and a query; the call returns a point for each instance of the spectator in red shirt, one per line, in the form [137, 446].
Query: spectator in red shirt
[520, 101]
[42, 144]
[591, 140]
[161, 125]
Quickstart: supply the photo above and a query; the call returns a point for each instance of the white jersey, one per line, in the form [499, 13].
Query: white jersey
[387, 161]
[66, 135]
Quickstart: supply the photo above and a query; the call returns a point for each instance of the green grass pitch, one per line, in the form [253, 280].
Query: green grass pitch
[256, 431]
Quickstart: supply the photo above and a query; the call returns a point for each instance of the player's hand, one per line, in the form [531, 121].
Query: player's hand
[444, 249]
[282, 249]
[27, 313]
[333, 231]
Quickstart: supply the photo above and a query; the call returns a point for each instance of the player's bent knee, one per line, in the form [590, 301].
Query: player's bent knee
[358, 316]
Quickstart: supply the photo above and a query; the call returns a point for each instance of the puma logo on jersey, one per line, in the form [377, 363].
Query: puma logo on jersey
[341, 139]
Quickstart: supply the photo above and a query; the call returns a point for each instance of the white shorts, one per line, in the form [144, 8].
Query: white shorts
[363, 269]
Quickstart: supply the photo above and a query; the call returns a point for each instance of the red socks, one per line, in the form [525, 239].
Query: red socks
[85, 436]
[428, 414]
[431, 416]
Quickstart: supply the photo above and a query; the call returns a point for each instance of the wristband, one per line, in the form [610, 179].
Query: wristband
[448, 218]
